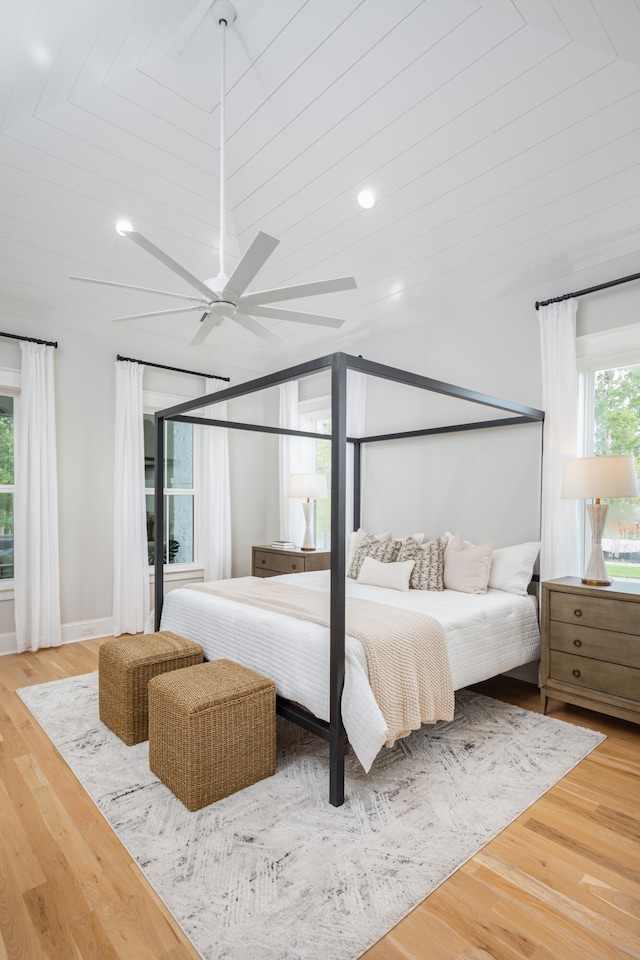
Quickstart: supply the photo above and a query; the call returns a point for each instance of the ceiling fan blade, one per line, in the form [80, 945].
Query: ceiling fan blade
[299, 290]
[253, 260]
[274, 313]
[131, 286]
[254, 327]
[208, 322]
[154, 313]
[168, 262]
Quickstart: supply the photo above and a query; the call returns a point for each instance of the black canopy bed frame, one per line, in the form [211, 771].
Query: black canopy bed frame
[338, 364]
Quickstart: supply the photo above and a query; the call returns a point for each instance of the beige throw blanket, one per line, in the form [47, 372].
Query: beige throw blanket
[406, 652]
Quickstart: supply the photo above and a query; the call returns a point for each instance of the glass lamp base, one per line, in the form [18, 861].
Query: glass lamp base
[596, 573]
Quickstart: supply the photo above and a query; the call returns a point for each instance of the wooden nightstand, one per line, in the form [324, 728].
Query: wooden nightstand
[272, 561]
[591, 646]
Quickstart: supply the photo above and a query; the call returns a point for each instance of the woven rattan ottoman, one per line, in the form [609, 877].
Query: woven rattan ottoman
[212, 730]
[125, 666]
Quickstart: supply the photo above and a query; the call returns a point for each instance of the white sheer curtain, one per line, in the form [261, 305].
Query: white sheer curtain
[131, 560]
[297, 455]
[214, 501]
[560, 549]
[37, 567]
[356, 407]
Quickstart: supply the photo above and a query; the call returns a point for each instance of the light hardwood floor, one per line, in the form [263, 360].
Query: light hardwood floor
[561, 883]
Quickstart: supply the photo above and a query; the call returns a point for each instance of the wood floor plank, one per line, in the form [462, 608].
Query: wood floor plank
[547, 862]
[534, 895]
[17, 934]
[15, 849]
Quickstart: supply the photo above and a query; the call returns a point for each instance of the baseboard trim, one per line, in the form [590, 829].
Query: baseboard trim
[70, 632]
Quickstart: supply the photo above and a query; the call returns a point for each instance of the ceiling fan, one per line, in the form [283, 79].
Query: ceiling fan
[224, 297]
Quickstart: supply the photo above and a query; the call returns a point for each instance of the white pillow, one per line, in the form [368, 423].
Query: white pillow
[418, 537]
[449, 537]
[356, 538]
[395, 576]
[511, 567]
[467, 568]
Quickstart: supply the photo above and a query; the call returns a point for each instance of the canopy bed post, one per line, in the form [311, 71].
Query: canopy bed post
[357, 482]
[338, 573]
[158, 528]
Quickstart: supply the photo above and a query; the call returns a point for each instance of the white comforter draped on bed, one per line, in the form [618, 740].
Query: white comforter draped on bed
[485, 635]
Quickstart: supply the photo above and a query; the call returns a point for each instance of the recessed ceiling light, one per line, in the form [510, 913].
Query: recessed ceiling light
[123, 227]
[366, 199]
[41, 54]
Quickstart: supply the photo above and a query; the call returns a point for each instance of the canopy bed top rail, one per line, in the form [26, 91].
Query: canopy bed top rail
[252, 427]
[406, 434]
[370, 367]
[385, 372]
[452, 428]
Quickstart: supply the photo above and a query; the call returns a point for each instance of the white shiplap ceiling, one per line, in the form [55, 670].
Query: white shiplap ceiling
[501, 137]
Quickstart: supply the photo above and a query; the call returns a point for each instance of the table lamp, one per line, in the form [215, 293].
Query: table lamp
[307, 487]
[587, 478]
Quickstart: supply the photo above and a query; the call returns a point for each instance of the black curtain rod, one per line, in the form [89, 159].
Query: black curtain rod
[16, 336]
[162, 366]
[581, 293]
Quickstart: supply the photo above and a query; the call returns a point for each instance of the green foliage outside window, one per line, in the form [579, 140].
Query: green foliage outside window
[323, 507]
[617, 433]
[6, 480]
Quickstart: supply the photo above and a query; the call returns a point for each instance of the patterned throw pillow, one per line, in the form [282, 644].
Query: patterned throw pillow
[428, 572]
[384, 551]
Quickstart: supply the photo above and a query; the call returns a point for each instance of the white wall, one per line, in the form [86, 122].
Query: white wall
[84, 371]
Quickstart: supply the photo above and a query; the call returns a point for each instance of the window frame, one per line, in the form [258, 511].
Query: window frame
[10, 384]
[604, 350]
[153, 401]
[315, 411]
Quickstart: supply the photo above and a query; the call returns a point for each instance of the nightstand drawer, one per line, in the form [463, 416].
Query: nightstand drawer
[616, 615]
[277, 562]
[597, 644]
[612, 678]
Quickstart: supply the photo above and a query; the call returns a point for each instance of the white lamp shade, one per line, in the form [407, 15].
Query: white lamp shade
[593, 477]
[307, 486]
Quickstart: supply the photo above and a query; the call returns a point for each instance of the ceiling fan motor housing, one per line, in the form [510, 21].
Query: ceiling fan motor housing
[221, 308]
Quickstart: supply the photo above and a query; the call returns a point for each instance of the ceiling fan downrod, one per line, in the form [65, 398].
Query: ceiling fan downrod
[225, 14]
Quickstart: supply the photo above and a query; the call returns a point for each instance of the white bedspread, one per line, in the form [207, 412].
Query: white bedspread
[486, 634]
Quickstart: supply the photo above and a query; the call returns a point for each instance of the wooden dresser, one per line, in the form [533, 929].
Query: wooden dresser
[591, 646]
[272, 561]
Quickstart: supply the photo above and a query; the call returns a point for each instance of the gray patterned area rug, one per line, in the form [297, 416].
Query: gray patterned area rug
[274, 872]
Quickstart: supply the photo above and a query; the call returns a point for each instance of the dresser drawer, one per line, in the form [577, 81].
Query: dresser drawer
[612, 678]
[597, 644]
[277, 563]
[620, 616]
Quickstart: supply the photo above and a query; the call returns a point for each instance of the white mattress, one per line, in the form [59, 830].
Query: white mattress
[486, 634]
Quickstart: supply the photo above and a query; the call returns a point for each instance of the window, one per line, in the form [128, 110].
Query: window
[315, 416]
[179, 490]
[611, 399]
[322, 512]
[6, 487]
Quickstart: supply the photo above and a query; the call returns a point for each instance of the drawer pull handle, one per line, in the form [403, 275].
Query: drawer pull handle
[577, 613]
[577, 643]
[576, 673]
[263, 561]
[294, 566]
